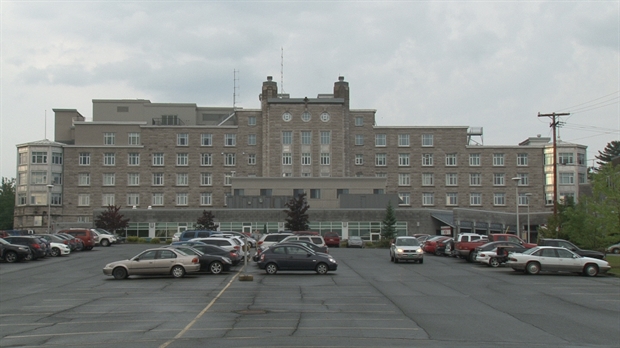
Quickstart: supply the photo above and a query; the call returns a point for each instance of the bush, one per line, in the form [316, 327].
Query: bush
[155, 241]
[141, 240]
[132, 239]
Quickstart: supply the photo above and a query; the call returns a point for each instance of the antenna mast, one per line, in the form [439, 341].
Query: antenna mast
[45, 124]
[282, 69]
[235, 88]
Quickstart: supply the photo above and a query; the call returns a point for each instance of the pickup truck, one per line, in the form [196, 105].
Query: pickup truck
[466, 243]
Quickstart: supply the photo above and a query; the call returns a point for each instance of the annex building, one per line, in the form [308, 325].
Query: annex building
[164, 163]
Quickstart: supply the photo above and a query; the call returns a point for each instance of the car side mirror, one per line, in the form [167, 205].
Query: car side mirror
[309, 254]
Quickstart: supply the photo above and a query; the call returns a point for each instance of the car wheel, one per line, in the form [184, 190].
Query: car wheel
[590, 270]
[391, 258]
[616, 251]
[29, 256]
[178, 271]
[421, 260]
[494, 262]
[471, 257]
[119, 273]
[105, 243]
[532, 268]
[395, 259]
[55, 252]
[10, 256]
[79, 247]
[216, 267]
[271, 268]
[321, 268]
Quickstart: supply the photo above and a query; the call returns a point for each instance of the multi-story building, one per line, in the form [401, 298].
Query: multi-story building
[165, 163]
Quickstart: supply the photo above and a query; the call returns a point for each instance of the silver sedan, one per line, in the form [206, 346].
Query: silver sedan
[555, 259]
[158, 261]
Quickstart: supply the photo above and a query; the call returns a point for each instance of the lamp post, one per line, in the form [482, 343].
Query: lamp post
[517, 180]
[49, 206]
[528, 195]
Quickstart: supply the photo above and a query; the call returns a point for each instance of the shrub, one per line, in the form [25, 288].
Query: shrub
[132, 239]
[155, 241]
[141, 240]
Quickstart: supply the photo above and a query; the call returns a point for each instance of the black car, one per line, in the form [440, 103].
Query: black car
[233, 255]
[294, 257]
[13, 252]
[215, 264]
[37, 248]
[312, 246]
[572, 247]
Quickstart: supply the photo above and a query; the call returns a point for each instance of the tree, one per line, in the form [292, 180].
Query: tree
[388, 229]
[205, 222]
[7, 203]
[297, 216]
[111, 219]
[611, 150]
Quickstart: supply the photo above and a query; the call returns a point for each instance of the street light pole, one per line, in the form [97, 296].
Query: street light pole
[49, 206]
[517, 180]
[528, 195]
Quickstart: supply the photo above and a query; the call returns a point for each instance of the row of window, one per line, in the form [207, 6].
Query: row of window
[158, 159]
[566, 158]
[157, 179]
[450, 159]
[133, 199]
[475, 179]
[452, 199]
[39, 157]
[109, 138]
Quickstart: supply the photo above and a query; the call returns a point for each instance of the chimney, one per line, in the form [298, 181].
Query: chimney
[341, 90]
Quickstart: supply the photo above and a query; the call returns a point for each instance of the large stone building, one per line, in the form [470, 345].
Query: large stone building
[165, 163]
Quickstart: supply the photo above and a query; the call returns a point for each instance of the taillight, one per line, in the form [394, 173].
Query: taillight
[262, 257]
[260, 242]
[236, 247]
[195, 260]
[66, 242]
[36, 246]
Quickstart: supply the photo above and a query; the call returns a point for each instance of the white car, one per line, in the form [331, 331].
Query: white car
[105, 238]
[488, 257]
[318, 240]
[59, 249]
[555, 259]
[176, 237]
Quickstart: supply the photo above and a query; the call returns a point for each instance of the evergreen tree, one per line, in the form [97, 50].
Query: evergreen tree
[7, 203]
[297, 216]
[111, 219]
[205, 222]
[611, 150]
[388, 229]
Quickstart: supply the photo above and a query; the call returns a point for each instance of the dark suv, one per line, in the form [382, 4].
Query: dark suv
[572, 247]
[12, 252]
[37, 249]
[88, 237]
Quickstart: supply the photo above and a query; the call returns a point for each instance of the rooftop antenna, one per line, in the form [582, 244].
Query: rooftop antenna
[282, 69]
[45, 124]
[235, 88]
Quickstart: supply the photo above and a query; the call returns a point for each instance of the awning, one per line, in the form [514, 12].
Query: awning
[446, 218]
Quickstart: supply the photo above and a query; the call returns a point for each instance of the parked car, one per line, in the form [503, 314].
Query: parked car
[242, 236]
[318, 240]
[430, 246]
[176, 237]
[13, 252]
[37, 248]
[556, 259]
[614, 249]
[572, 247]
[105, 238]
[214, 264]
[295, 258]
[87, 236]
[225, 243]
[59, 249]
[405, 248]
[444, 246]
[272, 238]
[192, 234]
[496, 253]
[332, 239]
[74, 243]
[355, 242]
[311, 246]
[233, 255]
[157, 261]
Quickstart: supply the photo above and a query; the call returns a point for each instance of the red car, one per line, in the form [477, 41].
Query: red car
[332, 239]
[431, 244]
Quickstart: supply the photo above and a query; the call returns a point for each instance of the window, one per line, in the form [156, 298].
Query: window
[287, 158]
[525, 180]
[133, 179]
[359, 159]
[158, 179]
[133, 159]
[109, 138]
[206, 198]
[251, 139]
[340, 192]
[474, 159]
[326, 137]
[475, 179]
[109, 159]
[549, 179]
[182, 139]
[325, 158]
[57, 178]
[205, 179]
[182, 179]
[39, 158]
[582, 178]
[266, 192]
[228, 179]
[133, 199]
[107, 199]
[230, 139]
[428, 198]
[523, 200]
[83, 219]
[405, 198]
[381, 159]
[475, 199]
[359, 139]
[306, 116]
[452, 179]
[498, 179]
[427, 159]
[452, 198]
[252, 159]
[182, 159]
[158, 159]
[287, 137]
[21, 199]
[56, 199]
[206, 159]
[403, 160]
[428, 179]
[23, 158]
[404, 179]
[157, 199]
[499, 199]
[403, 140]
[315, 193]
[427, 140]
[522, 159]
[38, 178]
[56, 158]
[380, 140]
[83, 199]
[181, 198]
[581, 159]
[306, 159]
[84, 159]
[122, 109]
[22, 179]
[359, 121]
[133, 138]
[84, 179]
[567, 178]
[38, 199]
[109, 179]
[306, 138]
[230, 159]
[498, 159]
[451, 159]
[566, 158]
[252, 121]
[206, 139]
[549, 158]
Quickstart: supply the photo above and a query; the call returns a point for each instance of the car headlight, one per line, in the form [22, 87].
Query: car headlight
[419, 250]
[332, 260]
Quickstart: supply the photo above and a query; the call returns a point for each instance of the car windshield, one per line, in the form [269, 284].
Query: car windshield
[407, 242]
[531, 251]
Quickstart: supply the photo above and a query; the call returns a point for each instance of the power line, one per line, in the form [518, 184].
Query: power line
[605, 96]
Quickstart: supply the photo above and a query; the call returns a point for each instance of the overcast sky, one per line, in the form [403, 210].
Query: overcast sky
[483, 64]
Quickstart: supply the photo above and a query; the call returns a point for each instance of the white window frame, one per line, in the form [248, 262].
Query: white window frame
[206, 198]
[427, 140]
[475, 199]
[451, 159]
[428, 199]
[83, 200]
[499, 199]
[474, 159]
[109, 159]
[380, 159]
[182, 179]
[206, 159]
[133, 199]
[109, 179]
[452, 179]
[109, 138]
[158, 159]
[427, 160]
[428, 179]
[403, 140]
[403, 160]
[133, 138]
[230, 159]
[287, 158]
[83, 179]
[157, 199]
[475, 179]
[380, 140]
[325, 158]
[182, 199]
[182, 159]
[206, 139]
[359, 139]
[359, 159]
[182, 139]
[452, 199]
[158, 179]
[206, 179]
[230, 139]
[499, 159]
[499, 179]
[133, 159]
[133, 179]
[522, 160]
[404, 179]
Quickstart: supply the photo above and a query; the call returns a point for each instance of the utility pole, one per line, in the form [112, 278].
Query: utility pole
[555, 123]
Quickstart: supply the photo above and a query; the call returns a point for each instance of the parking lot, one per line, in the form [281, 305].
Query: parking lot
[367, 302]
